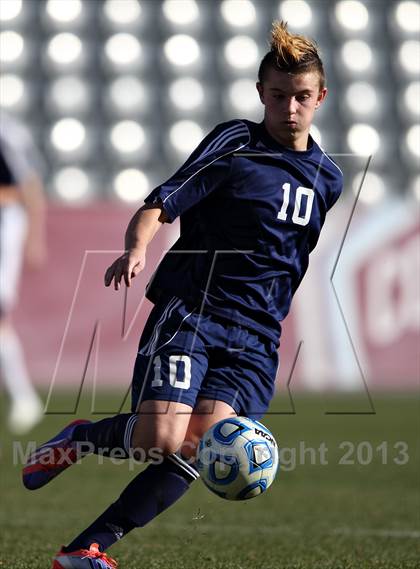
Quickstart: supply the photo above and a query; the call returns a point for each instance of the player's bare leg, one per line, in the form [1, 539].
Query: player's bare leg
[26, 407]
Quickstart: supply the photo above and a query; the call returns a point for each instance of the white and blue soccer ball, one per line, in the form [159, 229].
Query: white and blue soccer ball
[238, 458]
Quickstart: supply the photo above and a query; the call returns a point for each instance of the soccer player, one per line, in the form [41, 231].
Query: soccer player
[252, 199]
[22, 230]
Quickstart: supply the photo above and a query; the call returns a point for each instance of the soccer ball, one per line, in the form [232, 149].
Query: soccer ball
[237, 458]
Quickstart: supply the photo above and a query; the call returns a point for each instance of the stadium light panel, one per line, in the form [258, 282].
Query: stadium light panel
[186, 93]
[70, 94]
[373, 189]
[64, 48]
[361, 98]
[412, 140]
[241, 52]
[122, 11]
[238, 14]
[243, 95]
[356, 55]
[412, 97]
[72, 184]
[68, 135]
[127, 136]
[407, 15]
[409, 56]
[352, 15]
[12, 90]
[123, 49]
[128, 94]
[64, 12]
[11, 46]
[297, 13]
[182, 50]
[131, 185]
[363, 139]
[182, 12]
[10, 9]
[185, 136]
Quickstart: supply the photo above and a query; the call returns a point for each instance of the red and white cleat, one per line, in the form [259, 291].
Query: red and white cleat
[90, 558]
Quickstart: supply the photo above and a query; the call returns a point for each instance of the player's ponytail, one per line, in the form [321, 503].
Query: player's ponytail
[292, 53]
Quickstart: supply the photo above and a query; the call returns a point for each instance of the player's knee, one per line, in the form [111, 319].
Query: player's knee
[149, 446]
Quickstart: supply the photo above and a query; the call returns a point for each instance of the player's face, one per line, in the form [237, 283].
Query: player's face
[290, 103]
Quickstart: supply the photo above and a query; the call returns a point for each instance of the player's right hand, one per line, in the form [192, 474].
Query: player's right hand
[125, 267]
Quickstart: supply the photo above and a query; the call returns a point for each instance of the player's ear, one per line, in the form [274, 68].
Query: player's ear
[260, 90]
[321, 96]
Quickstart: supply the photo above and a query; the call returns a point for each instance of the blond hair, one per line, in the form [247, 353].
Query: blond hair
[292, 53]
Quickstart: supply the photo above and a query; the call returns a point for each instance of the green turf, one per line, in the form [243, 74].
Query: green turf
[315, 516]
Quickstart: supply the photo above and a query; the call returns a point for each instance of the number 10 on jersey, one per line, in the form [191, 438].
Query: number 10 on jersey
[297, 217]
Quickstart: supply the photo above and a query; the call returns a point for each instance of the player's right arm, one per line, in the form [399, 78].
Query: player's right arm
[204, 171]
[140, 231]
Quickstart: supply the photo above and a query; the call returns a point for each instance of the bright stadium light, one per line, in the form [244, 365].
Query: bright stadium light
[12, 90]
[72, 184]
[64, 48]
[131, 185]
[128, 94]
[238, 14]
[373, 189]
[64, 12]
[127, 137]
[70, 94]
[409, 56]
[412, 97]
[361, 98]
[181, 50]
[68, 135]
[123, 49]
[243, 95]
[316, 134]
[11, 46]
[186, 93]
[412, 140]
[297, 13]
[180, 11]
[363, 139]
[352, 14]
[407, 15]
[241, 52]
[10, 9]
[185, 136]
[357, 55]
[122, 11]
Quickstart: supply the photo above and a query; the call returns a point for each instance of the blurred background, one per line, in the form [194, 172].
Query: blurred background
[117, 93]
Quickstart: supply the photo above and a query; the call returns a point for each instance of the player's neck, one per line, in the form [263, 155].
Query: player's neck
[299, 143]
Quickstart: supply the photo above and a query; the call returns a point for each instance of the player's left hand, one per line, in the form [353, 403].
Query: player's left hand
[125, 267]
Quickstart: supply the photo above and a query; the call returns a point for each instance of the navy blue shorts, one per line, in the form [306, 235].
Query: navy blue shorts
[184, 355]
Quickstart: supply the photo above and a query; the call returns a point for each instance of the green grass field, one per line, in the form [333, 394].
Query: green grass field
[362, 514]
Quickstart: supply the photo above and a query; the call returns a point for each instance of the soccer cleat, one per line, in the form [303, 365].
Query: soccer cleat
[51, 458]
[90, 558]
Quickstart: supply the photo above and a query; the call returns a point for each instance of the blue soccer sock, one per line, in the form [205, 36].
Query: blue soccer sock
[148, 494]
[109, 435]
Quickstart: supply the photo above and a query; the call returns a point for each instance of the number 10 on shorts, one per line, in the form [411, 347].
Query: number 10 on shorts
[179, 371]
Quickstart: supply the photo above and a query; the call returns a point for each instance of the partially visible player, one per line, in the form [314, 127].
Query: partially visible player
[252, 199]
[22, 233]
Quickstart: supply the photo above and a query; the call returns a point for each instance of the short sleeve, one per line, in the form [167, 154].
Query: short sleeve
[206, 169]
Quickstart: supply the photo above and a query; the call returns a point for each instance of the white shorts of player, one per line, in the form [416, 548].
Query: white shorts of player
[13, 228]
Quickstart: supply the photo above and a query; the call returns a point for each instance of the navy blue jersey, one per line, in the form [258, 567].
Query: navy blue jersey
[250, 212]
